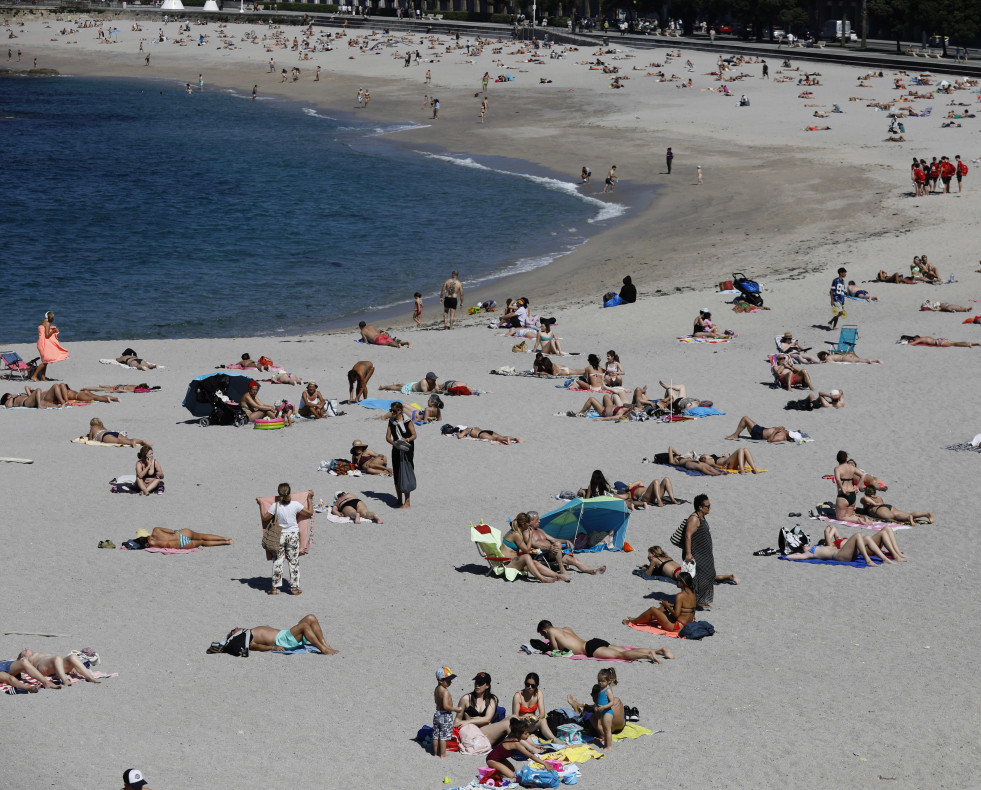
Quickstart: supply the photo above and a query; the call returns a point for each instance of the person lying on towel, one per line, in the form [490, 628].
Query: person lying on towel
[265, 638]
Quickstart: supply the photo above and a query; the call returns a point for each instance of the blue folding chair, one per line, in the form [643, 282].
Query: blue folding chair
[846, 340]
[14, 366]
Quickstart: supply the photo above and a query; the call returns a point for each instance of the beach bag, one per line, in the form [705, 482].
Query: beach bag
[459, 390]
[688, 567]
[531, 777]
[612, 300]
[472, 740]
[519, 348]
[678, 538]
[407, 477]
[570, 734]
[271, 536]
[557, 718]
[697, 629]
[793, 540]
[402, 446]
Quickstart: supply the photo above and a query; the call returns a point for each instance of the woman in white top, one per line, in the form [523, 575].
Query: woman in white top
[286, 511]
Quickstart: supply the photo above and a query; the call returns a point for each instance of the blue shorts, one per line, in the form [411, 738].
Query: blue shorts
[286, 639]
[5, 666]
[443, 725]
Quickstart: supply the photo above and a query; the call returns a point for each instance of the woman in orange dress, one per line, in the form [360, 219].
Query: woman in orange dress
[48, 347]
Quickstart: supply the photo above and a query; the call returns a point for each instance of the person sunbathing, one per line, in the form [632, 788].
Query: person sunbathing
[264, 638]
[639, 496]
[846, 356]
[432, 413]
[60, 393]
[676, 398]
[672, 458]
[121, 388]
[564, 638]
[821, 400]
[875, 508]
[660, 564]
[368, 461]
[860, 293]
[922, 340]
[254, 408]
[349, 505]
[428, 384]
[612, 408]
[451, 384]
[130, 359]
[834, 547]
[312, 403]
[546, 340]
[944, 307]
[559, 552]
[788, 376]
[758, 432]
[895, 277]
[463, 432]
[149, 474]
[734, 462]
[373, 336]
[56, 666]
[99, 433]
[10, 673]
[518, 548]
[670, 615]
[32, 399]
[592, 376]
[163, 538]
[704, 327]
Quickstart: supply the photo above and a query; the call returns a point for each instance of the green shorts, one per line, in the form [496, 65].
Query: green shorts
[285, 639]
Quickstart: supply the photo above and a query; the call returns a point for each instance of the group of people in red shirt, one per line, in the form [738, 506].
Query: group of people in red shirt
[925, 176]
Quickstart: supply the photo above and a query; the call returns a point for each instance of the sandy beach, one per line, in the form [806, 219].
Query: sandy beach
[817, 676]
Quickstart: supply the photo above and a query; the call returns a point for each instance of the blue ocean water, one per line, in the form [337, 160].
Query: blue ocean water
[136, 210]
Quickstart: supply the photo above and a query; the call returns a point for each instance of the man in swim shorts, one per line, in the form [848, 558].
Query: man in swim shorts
[758, 432]
[452, 295]
[265, 638]
[564, 638]
[374, 336]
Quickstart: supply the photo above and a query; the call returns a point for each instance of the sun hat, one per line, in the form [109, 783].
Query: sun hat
[788, 336]
[357, 443]
[142, 533]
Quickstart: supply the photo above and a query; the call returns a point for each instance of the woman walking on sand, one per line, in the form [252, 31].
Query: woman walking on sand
[48, 347]
[285, 511]
[401, 435]
[697, 545]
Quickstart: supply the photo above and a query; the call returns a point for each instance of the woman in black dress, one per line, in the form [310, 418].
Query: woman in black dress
[698, 548]
[401, 435]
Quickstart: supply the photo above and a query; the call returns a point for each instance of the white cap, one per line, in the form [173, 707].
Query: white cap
[835, 392]
[133, 777]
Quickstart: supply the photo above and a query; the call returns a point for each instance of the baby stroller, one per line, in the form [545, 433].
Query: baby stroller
[749, 289]
[204, 399]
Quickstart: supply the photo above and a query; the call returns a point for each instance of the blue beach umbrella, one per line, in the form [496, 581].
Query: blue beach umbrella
[587, 516]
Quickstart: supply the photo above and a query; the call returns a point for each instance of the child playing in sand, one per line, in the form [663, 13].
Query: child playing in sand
[417, 314]
[443, 717]
[605, 715]
[517, 741]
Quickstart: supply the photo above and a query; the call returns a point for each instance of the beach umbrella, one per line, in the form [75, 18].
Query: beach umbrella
[232, 383]
[604, 514]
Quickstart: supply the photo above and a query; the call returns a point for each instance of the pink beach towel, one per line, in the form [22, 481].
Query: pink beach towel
[690, 339]
[305, 523]
[653, 629]
[49, 348]
[876, 525]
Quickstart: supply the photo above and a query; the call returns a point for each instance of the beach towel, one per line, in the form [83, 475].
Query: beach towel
[746, 470]
[376, 403]
[576, 754]
[307, 648]
[702, 411]
[6, 688]
[305, 523]
[474, 439]
[120, 364]
[98, 444]
[690, 339]
[860, 563]
[962, 447]
[653, 629]
[154, 550]
[689, 472]
[631, 731]
[237, 366]
[568, 383]
[49, 348]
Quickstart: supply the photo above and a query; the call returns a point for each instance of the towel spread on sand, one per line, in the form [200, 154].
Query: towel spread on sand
[860, 563]
[6, 688]
[703, 411]
[576, 754]
[746, 469]
[474, 439]
[583, 657]
[653, 629]
[875, 525]
[120, 364]
[98, 444]
[376, 403]
[237, 366]
[305, 648]
[631, 731]
[154, 550]
[964, 447]
[690, 339]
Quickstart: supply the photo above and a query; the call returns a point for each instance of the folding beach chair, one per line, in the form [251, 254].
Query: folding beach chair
[488, 540]
[14, 366]
[846, 340]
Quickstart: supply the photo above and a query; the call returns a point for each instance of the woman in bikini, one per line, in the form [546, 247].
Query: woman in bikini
[121, 388]
[163, 538]
[704, 327]
[463, 432]
[671, 615]
[517, 547]
[529, 704]
[30, 400]
[638, 495]
[613, 373]
[98, 433]
[546, 340]
[432, 412]
[896, 277]
[543, 366]
[875, 508]
[922, 340]
[62, 393]
[598, 486]
[479, 707]
[130, 359]
[149, 474]
[591, 378]
[612, 408]
[660, 564]
[368, 461]
[834, 547]
[349, 505]
[736, 461]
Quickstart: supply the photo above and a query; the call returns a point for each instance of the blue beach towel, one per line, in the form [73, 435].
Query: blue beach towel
[703, 411]
[376, 403]
[301, 649]
[853, 563]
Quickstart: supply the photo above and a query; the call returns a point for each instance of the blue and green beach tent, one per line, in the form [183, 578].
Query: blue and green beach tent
[585, 516]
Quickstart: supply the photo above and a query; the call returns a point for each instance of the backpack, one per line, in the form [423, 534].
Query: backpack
[557, 718]
[570, 734]
[532, 777]
[793, 540]
[697, 629]
[962, 169]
